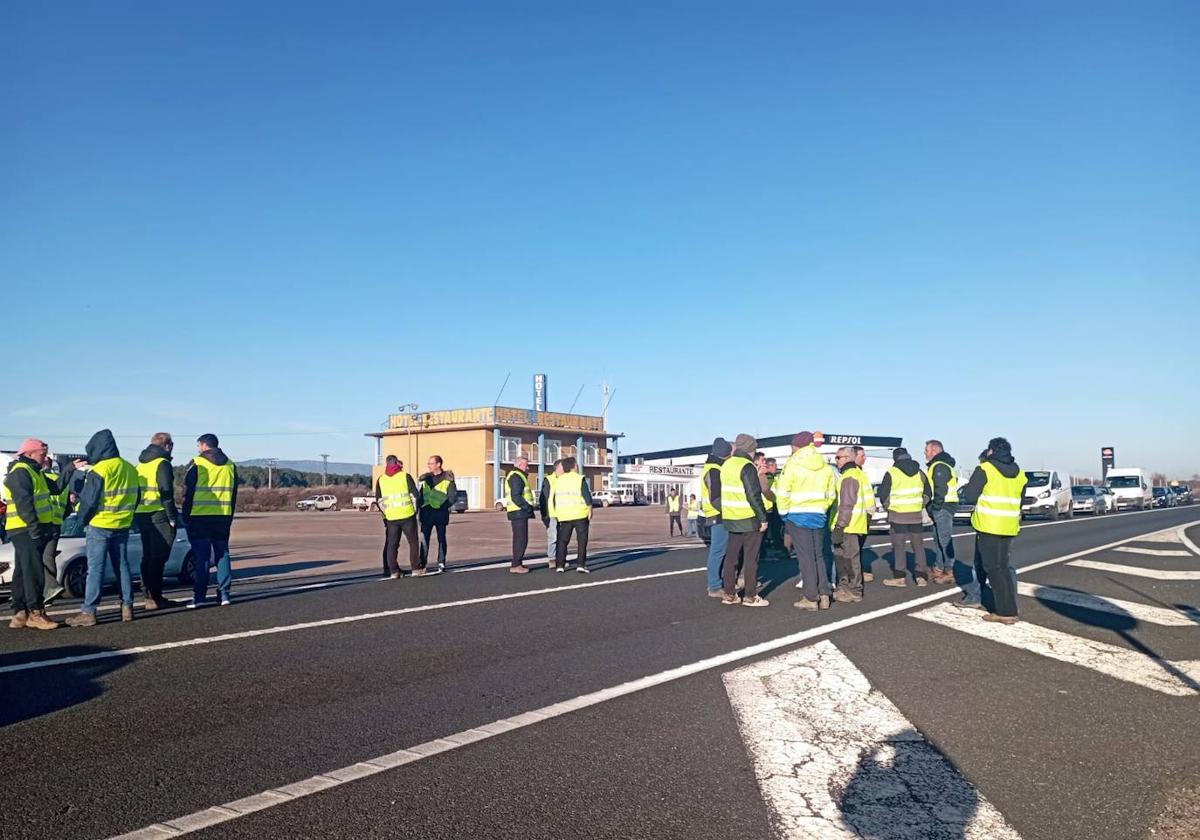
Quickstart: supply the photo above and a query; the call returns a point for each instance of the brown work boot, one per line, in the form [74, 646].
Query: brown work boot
[82, 619]
[868, 577]
[40, 621]
[19, 620]
[1000, 619]
[823, 602]
[843, 596]
[126, 613]
[805, 604]
[518, 570]
[899, 580]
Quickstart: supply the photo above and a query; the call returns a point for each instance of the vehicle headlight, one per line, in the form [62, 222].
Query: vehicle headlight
[1045, 494]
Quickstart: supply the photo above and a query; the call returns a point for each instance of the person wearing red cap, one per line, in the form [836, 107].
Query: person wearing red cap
[27, 519]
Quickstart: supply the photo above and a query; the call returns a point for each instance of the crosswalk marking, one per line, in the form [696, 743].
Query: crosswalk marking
[1163, 616]
[1155, 552]
[836, 760]
[1179, 679]
[1136, 571]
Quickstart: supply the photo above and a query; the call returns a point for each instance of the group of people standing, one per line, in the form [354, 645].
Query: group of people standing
[405, 503]
[111, 497]
[826, 510]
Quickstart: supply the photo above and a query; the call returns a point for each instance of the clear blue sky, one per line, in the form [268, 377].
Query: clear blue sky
[927, 219]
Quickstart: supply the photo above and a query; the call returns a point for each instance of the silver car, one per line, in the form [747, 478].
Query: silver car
[1088, 498]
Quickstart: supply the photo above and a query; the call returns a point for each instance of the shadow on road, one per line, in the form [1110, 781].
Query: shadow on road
[43, 691]
[278, 568]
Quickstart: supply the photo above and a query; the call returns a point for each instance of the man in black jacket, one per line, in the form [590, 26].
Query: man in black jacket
[520, 511]
[157, 517]
[993, 571]
[438, 491]
[943, 481]
[25, 517]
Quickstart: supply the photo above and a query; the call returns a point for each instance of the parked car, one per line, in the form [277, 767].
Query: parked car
[1163, 497]
[1131, 486]
[462, 502]
[1183, 494]
[322, 502]
[1089, 498]
[604, 498]
[1047, 493]
[1111, 496]
[362, 503]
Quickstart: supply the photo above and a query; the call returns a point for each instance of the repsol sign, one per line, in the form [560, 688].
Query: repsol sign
[844, 440]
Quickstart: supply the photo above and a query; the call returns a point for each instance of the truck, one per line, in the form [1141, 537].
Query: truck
[1131, 486]
[364, 503]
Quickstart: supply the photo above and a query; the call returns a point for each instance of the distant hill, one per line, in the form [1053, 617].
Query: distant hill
[338, 467]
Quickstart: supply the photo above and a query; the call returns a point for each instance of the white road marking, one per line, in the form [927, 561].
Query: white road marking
[1136, 571]
[1183, 538]
[1155, 552]
[1179, 679]
[330, 622]
[836, 760]
[270, 798]
[1163, 616]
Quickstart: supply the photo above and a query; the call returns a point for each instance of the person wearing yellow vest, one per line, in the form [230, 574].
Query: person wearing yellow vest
[674, 512]
[27, 512]
[397, 497]
[904, 493]
[520, 510]
[745, 518]
[996, 489]
[438, 492]
[209, 500]
[710, 507]
[546, 509]
[943, 484]
[107, 502]
[572, 500]
[860, 461]
[59, 502]
[693, 515]
[156, 518]
[804, 493]
[849, 523]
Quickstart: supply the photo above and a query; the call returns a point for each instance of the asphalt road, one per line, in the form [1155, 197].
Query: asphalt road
[290, 683]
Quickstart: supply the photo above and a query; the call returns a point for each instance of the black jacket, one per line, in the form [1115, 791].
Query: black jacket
[544, 500]
[164, 478]
[941, 470]
[101, 447]
[753, 491]
[910, 468]
[712, 478]
[1008, 468]
[20, 485]
[515, 491]
[214, 456]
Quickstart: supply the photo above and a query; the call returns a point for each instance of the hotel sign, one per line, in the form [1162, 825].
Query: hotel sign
[683, 470]
[495, 416]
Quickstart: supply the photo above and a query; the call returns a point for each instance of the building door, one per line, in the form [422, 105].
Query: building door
[473, 485]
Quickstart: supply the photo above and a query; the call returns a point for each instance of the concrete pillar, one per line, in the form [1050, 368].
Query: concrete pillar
[579, 453]
[615, 448]
[541, 459]
[496, 468]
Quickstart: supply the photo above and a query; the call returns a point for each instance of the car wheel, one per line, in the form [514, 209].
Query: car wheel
[335, 507]
[187, 570]
[1071, 510]
[1053, 514]
[75, 577]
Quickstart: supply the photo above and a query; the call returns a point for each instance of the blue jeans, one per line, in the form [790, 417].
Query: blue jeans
[204, 549]
[964, 576]
[943, 538]
[104, 545]
[716, 555]
[691, 532]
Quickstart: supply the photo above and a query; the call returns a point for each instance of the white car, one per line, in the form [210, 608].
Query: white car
[877, 517]
[1047, 493]
[362, 503]
[605, 498]
[72, 560]
[322, 502]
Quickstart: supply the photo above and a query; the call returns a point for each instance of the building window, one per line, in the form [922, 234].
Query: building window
[591, 454]
[510, 449]
[553, 451]
[533, 453]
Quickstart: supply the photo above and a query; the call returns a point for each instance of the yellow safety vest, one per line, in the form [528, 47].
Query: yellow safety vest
[568, 497]
[998, 508]
[803, 490]
[951, 484]
[395, 498]
[706, 505]
[58, 501]
[768, 505]
[120, 497]
[148, 478]
[735, 507]
[526, 490]
[41, 499]
[868, 489]
[435, 495]
[214, 488]
[673, 504]
[907, 491]
[551, 510]
[694, 509]
[859, 518]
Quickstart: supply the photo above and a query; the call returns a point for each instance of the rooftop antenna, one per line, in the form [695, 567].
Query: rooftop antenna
[577, 393]
[496, 401]
[608, 395]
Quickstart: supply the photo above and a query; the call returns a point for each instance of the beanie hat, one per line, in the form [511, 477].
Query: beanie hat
[746, 443]
[900, 454]
[721, 448]
[803, 439]
[30, 445]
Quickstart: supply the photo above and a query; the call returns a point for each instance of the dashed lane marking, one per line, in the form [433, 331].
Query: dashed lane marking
[1137, 571]
[1162, 616]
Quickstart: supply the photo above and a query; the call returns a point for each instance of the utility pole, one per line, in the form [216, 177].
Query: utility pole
[324, 469]
[271, 462]
[411, 410]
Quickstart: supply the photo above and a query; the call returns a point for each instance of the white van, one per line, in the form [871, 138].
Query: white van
[1131, 486]
[1047, 493]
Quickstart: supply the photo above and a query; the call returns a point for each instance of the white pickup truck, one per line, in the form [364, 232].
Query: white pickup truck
[363, 503]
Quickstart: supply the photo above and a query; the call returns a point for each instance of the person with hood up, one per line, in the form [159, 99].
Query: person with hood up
[397, 494]
[438, 492]
[849, 523]
[904, 493]
[27, 513]
[156, 518]
[710, 507]
[943, 481]
[964, 572]
[209, 500]
[803, 493]
[996, 489]
[745, 518]
[107, 501]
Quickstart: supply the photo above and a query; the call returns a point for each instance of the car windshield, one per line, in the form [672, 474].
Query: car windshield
[1179, 490]
[1160, 491]
[1124, 481]
[1038, 478]
[1083, 491]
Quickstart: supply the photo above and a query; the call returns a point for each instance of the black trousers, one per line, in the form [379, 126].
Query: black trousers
[50, 560]
[993, 571]
[394, 528]
[157, 538]
[28, 575]
[520, 534]
[580, 529]
[747, 544]
[675, 520]
[432, 519]
[848, 557]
